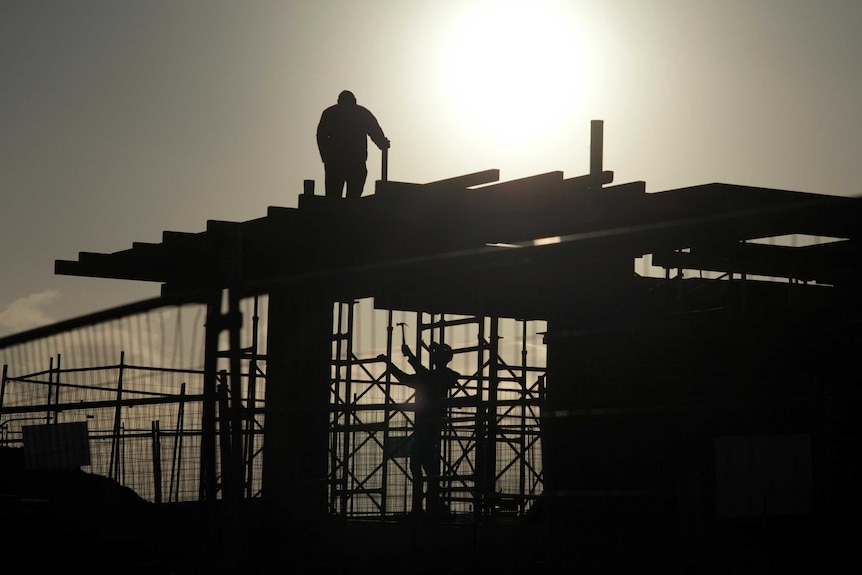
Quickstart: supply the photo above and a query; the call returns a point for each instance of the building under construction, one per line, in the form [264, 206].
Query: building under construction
[646, 379]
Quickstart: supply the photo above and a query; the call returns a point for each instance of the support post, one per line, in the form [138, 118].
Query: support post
[114, 465]
[234, 386]
[208, 484]
[176, 459]
[50, 389]
[387, 413]
[299, 347]
[3, 386]
[596, 146]
[251, 407]
[489, 484]
[224, 434]
[157, 461]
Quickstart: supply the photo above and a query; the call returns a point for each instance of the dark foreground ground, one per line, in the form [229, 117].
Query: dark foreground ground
[74, 521]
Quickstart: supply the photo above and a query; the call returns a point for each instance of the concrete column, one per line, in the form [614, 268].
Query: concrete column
[297, 400]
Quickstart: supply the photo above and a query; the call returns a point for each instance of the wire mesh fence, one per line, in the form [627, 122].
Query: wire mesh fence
[136, 381]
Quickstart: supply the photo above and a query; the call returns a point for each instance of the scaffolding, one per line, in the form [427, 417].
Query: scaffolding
[146, 422]
[491, 442]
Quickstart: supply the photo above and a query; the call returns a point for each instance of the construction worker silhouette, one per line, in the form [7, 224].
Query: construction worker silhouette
[431, 391]
[342, 139]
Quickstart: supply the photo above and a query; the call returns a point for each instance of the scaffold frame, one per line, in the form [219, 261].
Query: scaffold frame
[491, 443]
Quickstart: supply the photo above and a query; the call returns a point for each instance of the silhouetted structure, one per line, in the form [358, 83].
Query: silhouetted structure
[342, 139]
[701, 410]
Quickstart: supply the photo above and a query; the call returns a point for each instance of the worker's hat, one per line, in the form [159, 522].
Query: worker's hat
[441, 350]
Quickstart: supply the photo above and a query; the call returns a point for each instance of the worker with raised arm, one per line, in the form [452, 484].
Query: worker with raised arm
[342, 139]
[431, 391]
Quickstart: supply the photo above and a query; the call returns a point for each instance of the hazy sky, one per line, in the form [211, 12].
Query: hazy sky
[123, 118]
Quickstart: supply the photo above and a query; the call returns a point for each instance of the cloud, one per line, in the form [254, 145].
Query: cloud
[27, 312]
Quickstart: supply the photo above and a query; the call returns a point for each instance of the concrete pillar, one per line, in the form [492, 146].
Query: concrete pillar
[297, 400]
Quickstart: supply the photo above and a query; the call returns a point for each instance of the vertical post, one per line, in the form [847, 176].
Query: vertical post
[336, 503]
[350, 462]
[224, 433]
[234, 385]
[251, 404]
[157, 461]
[299, 376]
[229, 413]
[343, 393]
[308, 187]
[384, 171]
[56, 390]
[3, 386]
[387, 418]
[479, 452]
[50, 388]
[114, 465]
[489, 483]
[176, 460]
[596, 146]
[522, 467]
[743, 275]
[417, 483]
[121, 458]
[208, 485]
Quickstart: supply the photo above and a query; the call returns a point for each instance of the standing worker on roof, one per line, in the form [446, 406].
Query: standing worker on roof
[342, 138]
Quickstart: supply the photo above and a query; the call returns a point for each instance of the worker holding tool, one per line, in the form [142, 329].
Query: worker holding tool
[431, 391]
[342, 139]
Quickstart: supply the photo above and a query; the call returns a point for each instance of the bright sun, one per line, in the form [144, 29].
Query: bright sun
[515, 69]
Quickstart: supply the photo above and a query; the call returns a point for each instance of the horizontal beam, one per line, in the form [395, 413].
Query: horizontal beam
[100, 317]
[467, 180]
[824, 262]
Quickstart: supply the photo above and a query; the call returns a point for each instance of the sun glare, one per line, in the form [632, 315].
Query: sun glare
[515, 69]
